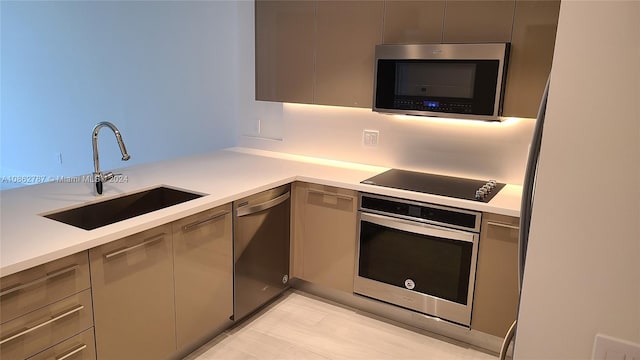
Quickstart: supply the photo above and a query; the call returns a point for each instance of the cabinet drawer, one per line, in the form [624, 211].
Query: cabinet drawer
[79, 347]
[38, 330]
[43, 285]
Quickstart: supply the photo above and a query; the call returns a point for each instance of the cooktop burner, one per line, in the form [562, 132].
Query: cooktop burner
[461, 188]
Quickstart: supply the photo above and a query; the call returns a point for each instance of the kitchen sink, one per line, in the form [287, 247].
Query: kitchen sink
[107, 212]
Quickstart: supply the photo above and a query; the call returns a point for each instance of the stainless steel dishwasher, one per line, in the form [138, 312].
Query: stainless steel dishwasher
[260, 249]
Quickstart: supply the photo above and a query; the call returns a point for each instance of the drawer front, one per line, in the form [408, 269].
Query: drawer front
[40, 329]
[79, 347]
[42, 285]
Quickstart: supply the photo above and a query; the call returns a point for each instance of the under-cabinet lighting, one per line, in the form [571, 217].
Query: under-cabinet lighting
[508, 121]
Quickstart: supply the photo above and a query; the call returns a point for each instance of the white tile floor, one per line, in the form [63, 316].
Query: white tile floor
[301, 326]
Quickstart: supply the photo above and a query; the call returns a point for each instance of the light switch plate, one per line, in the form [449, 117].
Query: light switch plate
[609, 348]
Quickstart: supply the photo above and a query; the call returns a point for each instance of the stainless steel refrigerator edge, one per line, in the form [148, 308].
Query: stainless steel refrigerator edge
[260, 249]
[526, 205]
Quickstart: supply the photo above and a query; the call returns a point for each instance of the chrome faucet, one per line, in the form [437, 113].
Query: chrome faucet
[98, 176]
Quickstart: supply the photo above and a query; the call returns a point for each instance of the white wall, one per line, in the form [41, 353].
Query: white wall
[466, 148]
[163, 71]
[582, 274]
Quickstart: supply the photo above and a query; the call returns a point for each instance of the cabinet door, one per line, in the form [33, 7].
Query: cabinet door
[285, 41]
[132, 283]
[326, 235]
[495, 302]
[534, 35]
[478, 21]
[203, 268]
[347, 33]
[413, 21]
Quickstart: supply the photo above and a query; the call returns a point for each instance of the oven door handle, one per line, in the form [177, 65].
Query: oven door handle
[418, 227]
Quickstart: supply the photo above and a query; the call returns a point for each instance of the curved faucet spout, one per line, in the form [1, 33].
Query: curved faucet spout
[99, 178]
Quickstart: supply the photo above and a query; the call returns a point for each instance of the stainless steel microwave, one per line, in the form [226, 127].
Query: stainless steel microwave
[446, 80]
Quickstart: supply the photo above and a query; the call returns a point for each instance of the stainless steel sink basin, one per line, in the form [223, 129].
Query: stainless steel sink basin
[99, 214]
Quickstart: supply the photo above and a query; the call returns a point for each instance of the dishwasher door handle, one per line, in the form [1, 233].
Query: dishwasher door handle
[248, 210]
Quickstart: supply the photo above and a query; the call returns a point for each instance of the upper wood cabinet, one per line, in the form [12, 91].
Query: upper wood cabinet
[413, 21]
[322, 52]
[285, 47]
[317, 52]
[347, 33]
[532, 44]
[476, 21]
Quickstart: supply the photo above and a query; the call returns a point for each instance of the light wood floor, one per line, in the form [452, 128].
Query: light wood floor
[301, 326]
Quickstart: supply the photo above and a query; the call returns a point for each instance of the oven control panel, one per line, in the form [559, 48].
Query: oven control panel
[421, 212]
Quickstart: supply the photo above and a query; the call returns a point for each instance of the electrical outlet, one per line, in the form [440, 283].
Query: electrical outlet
[610, 348]
[370, 138]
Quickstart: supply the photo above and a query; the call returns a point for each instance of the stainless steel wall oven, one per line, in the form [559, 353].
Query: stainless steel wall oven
[418, 256]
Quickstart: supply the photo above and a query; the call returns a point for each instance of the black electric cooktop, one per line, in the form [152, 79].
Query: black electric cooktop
[461, 188]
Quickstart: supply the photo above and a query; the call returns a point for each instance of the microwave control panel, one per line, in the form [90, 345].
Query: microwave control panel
[431, 105]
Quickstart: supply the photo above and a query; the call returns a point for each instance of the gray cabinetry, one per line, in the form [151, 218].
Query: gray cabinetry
[202, 257]
[495, 301]
[532, 44]
[347, 33]
[322, 52]
[411, 21]
[478, 21]
[42, 307]
[133, 295]
[164, 291]
[285, 49]
[324, 245]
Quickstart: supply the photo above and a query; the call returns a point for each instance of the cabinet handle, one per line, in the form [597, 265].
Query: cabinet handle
[49, 276]
[339, 196]
[71, 352]
[53, 319]
[146, 242]
[513, 227]
[202, 222]
[249, 210]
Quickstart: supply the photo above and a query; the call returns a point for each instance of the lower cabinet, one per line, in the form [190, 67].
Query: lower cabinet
[42, 307]
[38, 330]
[495, 303]
[203, 273]
[162, 292]
[324, 245]
[133, 296]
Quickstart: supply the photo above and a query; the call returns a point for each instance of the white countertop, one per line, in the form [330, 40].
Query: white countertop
[28, 239]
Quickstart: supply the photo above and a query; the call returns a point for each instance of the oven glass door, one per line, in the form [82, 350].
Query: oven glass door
[420, 266]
